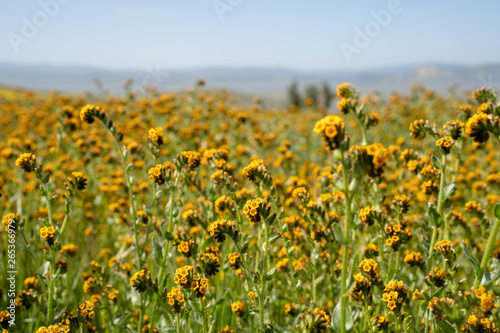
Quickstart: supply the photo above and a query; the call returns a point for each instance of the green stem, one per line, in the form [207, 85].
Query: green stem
[148, 229]
[440, 197]
[19, 199]
[397, 262]
[248, 276]
[440, 211]
[130, 194]
[457, 161]
[366, 322]
[170, 227]
[431, 247]
[264, 281]
[314, 276]
[363, 130]
[345, 254]
[141, 314]
[63, 225]
[487, 253]
[286, 244]
[153, 307]
[133, 213]
[52, 259]
[51, 286]
[204, 315]
[259, 246]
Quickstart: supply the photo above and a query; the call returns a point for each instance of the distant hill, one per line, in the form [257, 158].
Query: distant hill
[268, 83]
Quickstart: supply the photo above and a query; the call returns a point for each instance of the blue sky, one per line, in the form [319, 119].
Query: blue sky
[298, 34]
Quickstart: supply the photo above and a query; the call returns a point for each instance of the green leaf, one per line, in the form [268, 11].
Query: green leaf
[445, 327]
[436, 162]
[496, 211]
[353, 185]
[273, 238]
[269, 275]
[337, 231]
[196, 308]
[449, 190]
[175, 212]
[337, 319]
[223, 298]
[157, 251]
[469, 256]
[23, 247]
[244, 248]
[44, 268]
[434, 216]
[169, 235]
[439, 293]
[45, 179]
[209, 304]
[270, 220]
[53, 200]
[490, 277]
[269, 329]
[282, 214]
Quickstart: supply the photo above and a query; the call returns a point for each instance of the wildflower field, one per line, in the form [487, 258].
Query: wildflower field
[187, 213]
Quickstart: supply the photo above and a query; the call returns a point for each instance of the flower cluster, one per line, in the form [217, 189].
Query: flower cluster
[372, 158]
[445, 247]
[369, 267]
[158, 174]
[87, 310]
[253, 210]
[210, 263]
[191, 158]
[89, 111]
[348, 97]
[256, 170]
[78, 181]
[414, 259]
[437, 277]
[142, 281]
[234, 260]
[332, 128]
[419, 128]
[187, 278]
[176, 299]
[401, 204]
[369, 215]
[395, 295]
[59, 328]
[187, 248]
[238, 308]
[156, 135]
[220, 228]
[483, 325]
[362, 287]
[445, 144]
[27, 162]
[397, 235]
[49, 234]
[7, 218]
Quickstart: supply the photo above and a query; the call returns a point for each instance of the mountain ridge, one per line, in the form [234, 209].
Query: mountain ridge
[266, 82]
